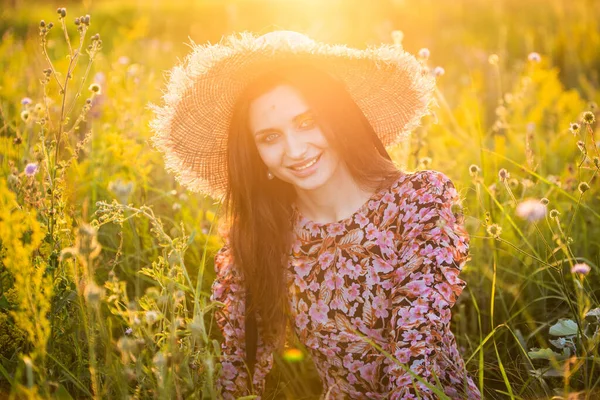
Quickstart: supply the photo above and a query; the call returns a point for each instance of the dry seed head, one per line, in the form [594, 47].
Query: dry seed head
[42, 24]
[581, 146]
[554, 213]
[439, 71]
[474, 170]
[77, 21]
[583, 187]
[25, 115]
[597, 162]
[94, 87]
[494, 230]
[513, 183]
[503, 174]
[426, 161]
[574, 128]
[588, 117]
[544, 201]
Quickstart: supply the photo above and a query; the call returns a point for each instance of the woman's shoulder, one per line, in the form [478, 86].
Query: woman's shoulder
[423, 183]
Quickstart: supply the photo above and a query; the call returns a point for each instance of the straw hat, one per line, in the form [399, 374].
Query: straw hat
[389, 85]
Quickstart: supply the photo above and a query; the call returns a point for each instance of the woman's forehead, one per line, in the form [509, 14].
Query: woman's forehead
[283, 102]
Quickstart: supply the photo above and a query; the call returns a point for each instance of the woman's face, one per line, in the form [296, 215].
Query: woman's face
[289, 140]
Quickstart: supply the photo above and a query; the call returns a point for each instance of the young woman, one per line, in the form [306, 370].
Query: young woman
[324, 232]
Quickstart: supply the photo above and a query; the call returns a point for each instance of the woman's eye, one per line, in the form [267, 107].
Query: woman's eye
[269, 138]
[307, 123]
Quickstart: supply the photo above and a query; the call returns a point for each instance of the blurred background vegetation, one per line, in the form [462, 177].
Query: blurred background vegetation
[106, 263]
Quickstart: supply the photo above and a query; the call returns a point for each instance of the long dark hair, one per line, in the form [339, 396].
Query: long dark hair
[258, 210]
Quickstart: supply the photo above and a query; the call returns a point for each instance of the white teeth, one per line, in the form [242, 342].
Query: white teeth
[306, 165]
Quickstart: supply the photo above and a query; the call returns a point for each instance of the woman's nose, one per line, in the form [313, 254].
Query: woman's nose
[295, 147]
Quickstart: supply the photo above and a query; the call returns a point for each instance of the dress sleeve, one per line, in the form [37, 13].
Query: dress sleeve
[433, 249]
[228, 288]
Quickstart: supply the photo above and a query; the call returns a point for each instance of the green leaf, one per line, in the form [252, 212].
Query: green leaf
[543, 354]
[564, 327]
[62, 394]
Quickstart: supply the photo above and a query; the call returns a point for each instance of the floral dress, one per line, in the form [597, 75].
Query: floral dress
[370, 298]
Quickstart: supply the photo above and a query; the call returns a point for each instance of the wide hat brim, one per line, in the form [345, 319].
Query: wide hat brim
[390, 86]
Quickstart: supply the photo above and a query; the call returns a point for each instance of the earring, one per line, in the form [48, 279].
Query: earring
[270, 175]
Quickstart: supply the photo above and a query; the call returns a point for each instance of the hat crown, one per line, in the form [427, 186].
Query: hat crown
[292, 38]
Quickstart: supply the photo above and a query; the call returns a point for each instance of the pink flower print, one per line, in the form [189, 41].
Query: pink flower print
[413, 317]
[428, 279]
[412, 336]
[446, 291]
[371, 278]
[302, 306]
[451, 275]
[400, 274]
[385, 239]
[329, 279]
[402, 355]
[367, 371]
[325, 259]
[352, 310]
[427, 198]
[338, 304]
[380, 266]
[390, 213]
[417, 288]
[388, 198]
[352, 379]
[361, 220]
[302, 267]
[344, 266]
[381, 305]
[421, 302]
[313, 286]
[371, 231]
[409, 212]
[300, 283]
[443, 255]
[351, 293]
[318, 312]
[417, 349]
[335, 229]
[301, 321]
[313, 228]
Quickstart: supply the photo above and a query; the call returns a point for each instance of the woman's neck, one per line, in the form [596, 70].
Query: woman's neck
[337, 199]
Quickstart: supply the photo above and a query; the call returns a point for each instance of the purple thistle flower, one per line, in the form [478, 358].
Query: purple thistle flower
[31, 169]
[580, 268]
[26, 101]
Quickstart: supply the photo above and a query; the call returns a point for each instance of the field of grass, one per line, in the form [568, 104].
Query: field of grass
[106, 262]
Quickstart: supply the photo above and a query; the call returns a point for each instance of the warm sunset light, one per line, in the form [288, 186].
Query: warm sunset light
[299, 199]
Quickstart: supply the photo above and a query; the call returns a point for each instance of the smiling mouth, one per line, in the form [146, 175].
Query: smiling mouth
[307, 164]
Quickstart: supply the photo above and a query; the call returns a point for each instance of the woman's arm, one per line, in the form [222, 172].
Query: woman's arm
[434, 248]
[228, 288]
